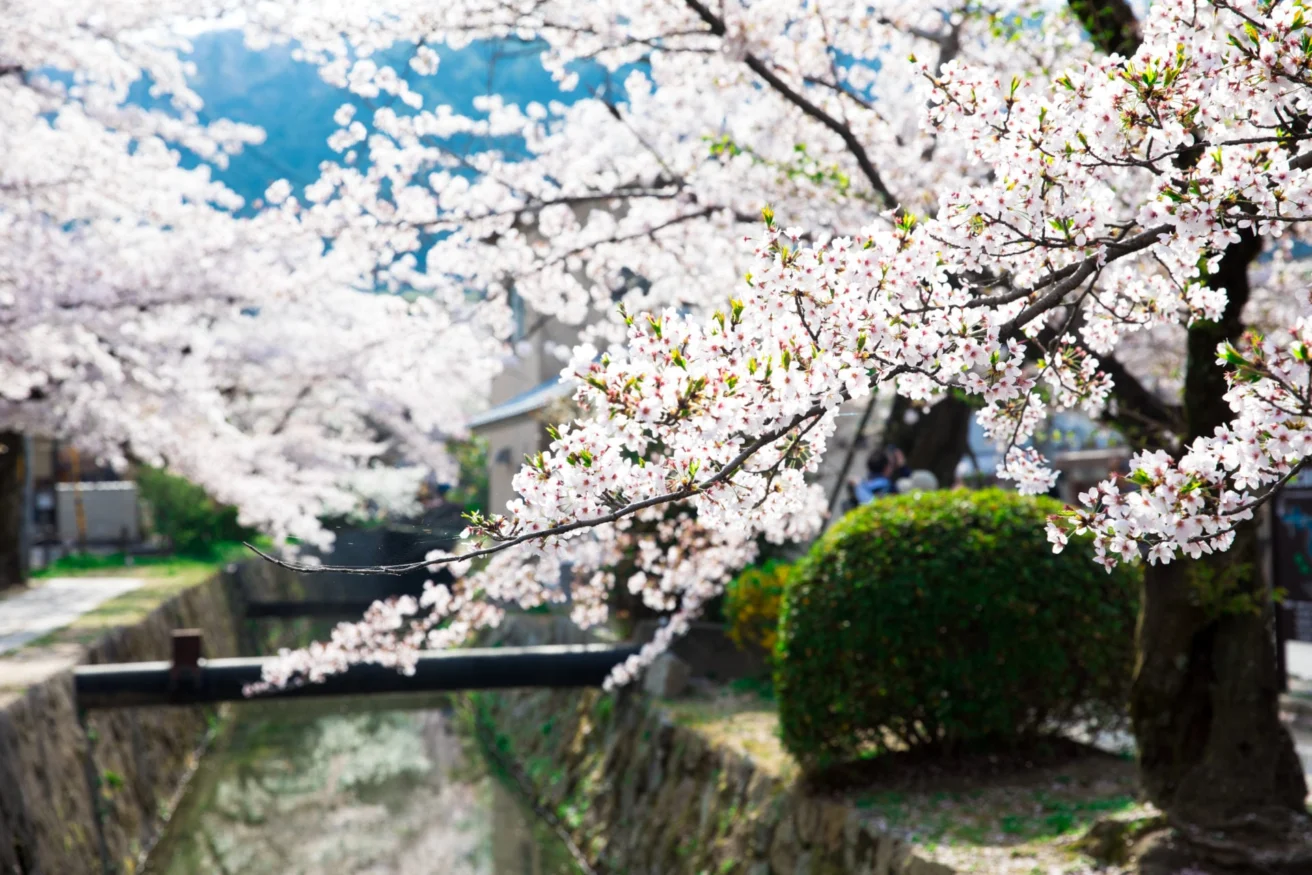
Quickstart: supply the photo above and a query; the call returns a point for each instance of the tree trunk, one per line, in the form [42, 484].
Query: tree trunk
[13, 562]
[936, 440]
[1205, 698]
[1213, 753]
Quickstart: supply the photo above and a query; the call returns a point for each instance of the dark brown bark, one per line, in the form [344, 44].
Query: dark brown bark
[1213, 753]
[1110, 24]
[13, 564]
[1205, 698]
[937, 439]
[1144, 420]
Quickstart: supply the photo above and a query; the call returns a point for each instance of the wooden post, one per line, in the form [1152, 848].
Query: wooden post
[13, 564]
[186, 663]
[79, 511]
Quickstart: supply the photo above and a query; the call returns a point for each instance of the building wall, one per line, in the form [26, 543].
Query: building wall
[520, 374]
[98, 513]
[511, 440]
[43, 460]
[533, 364]
[508, 443]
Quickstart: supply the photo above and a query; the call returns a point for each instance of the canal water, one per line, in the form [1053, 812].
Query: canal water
[345, 786]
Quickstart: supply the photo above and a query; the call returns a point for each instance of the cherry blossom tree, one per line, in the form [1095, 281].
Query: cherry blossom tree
[146, 318]
[1035, 209]
[641, 176]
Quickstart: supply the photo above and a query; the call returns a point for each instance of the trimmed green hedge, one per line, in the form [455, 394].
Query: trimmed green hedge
[943, 621]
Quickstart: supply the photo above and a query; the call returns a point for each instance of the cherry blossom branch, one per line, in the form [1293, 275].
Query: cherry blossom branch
[843, 131]
[720, 476]
[1193, 505]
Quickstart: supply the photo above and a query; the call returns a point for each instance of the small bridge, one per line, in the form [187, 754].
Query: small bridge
[189, 680]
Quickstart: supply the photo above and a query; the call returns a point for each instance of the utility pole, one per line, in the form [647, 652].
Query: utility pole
[29, 507]
[13, 562]
[79, 510]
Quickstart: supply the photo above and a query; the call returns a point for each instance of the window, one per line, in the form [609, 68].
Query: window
[518, 310]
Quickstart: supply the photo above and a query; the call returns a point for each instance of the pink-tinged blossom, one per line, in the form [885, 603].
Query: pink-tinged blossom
[1192, 505]
[1072, 159]
[992, 216]
[142, 319]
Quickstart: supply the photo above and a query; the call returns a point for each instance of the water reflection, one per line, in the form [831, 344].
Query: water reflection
[343, 787]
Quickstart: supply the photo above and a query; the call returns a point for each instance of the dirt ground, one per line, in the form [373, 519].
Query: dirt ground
[1018, 818]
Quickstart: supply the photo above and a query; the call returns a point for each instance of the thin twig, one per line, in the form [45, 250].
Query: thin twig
[799, 100]
[723, 474]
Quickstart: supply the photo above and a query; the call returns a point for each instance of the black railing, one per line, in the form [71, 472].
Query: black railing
[329, 608]
[188, 680]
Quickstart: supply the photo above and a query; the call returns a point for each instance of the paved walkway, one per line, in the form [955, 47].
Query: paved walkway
[1298, 659]
[56, 603]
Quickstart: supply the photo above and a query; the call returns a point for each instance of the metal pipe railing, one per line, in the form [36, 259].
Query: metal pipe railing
[265, 610]
[191, 681]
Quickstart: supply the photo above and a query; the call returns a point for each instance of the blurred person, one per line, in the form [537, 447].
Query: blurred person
[919, 480]
[883, 468]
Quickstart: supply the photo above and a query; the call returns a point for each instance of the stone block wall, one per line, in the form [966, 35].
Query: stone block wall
[642, 795]
[708, 651]
[140, 756]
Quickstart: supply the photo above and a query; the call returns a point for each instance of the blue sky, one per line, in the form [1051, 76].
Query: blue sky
[294, 106]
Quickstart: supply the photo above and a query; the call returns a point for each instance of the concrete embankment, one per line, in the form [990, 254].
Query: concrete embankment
[90, 793]
[639, 793]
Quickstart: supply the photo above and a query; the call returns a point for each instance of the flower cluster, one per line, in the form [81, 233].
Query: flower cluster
[1115, 186]
[1006, 214]
[1167, 507]
[1001, 217]
[147, 313]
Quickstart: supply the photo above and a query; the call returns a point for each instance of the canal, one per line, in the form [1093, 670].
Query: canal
[352, 785]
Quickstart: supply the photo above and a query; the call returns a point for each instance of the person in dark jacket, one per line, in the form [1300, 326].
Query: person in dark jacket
[883, 469]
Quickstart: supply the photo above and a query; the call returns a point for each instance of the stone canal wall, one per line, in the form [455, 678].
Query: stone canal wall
[50, 788]
[642, 795]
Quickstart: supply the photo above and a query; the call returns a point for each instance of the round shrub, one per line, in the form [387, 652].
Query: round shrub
[943, 622]
[751, 605]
